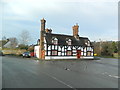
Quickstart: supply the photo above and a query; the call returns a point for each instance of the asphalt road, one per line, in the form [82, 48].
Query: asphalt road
[28, 73]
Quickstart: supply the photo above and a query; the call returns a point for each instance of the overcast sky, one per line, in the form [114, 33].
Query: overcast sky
[97, 19]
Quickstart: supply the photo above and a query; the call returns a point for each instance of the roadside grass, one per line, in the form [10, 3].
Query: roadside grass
[118, 57]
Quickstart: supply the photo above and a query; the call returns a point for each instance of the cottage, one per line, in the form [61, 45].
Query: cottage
[59, 46]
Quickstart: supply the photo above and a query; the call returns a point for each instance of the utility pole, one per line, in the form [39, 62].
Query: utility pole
[100, 46]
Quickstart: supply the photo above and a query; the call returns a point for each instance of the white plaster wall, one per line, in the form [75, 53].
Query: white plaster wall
[69, 48]
[36, 51]
[62, 49]
[84, 53]
[74, 48]
[59, 53]
[59, 48]
[87, 57]
[45, 46]
[81, 53]
[48, 52]
[52, 47]
[79, 48]
[67, 57]
[49, 48]
[55, 47]
[60, 57]
[91, 54]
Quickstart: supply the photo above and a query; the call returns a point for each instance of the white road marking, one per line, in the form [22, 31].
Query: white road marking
[114, 76]
[106, 73]
[60, 81]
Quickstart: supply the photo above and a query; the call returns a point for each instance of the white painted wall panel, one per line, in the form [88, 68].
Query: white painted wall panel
[79, 48]
[52, 47]
[60, 57]
[56, 47]
[84, 53]
[59, 53]
[59, 48]
[36, 51]
[81, 53]
[49, 48]
[73, 47]
[45, 46]
[62, 53]
[91, 54]
[49, 52]
[69, 48]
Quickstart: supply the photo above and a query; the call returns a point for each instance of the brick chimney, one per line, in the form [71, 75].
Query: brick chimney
[42, 51]
[75, 31]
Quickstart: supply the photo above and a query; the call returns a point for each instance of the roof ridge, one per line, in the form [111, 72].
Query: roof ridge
[66, 35]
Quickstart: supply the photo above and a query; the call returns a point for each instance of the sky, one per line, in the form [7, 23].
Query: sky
[97, 19]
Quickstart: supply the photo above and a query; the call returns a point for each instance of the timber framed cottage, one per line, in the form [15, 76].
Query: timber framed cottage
[59, 46]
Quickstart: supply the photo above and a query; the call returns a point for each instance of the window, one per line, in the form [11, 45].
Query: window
[55, 41]
[87, 43]
[69, 53]
[88, 53]
[54, 52]
[69, 42]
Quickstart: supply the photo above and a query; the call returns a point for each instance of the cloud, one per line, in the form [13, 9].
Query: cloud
[93, 16]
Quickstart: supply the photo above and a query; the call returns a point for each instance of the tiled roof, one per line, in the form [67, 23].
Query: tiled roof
[62, 39]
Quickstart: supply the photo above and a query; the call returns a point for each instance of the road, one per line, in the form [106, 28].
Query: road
[28, 73]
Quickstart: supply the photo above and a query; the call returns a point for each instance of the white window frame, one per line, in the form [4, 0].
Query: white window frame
[55, 41]
[69, 42]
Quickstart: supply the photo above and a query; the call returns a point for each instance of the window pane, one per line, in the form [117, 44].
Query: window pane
[69, 53]
[54, 52]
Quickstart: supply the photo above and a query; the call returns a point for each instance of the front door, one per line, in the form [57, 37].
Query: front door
[78, 53]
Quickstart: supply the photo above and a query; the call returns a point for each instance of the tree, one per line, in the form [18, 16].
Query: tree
[14, 42]
[114, 47]
[11, 43]
[108, 48]
[22, 46]
[31, 48]
[24, 37]
[4, 38]
[97, 48]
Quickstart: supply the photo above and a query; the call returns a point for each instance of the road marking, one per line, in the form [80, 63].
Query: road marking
[114, 76]
[60, 81]
[106, 73]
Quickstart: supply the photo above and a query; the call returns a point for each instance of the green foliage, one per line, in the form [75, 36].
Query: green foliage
[106, 48]
[22, 46]
[31, 48]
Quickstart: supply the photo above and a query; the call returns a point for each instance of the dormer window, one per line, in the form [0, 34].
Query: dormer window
[55, 41]
[69, 41]
[87, 43]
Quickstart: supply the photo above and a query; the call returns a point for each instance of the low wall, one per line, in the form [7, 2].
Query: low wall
[11, 51]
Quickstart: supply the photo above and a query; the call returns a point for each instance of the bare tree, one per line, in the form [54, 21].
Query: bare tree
[11, 43]
[4, 38]
[14, 42]
[24, 37]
